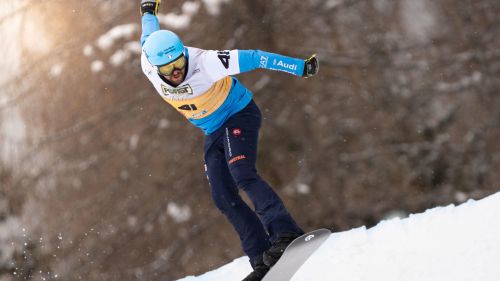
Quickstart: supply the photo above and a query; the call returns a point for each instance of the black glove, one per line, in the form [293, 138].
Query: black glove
[150, 7]
[311, 66]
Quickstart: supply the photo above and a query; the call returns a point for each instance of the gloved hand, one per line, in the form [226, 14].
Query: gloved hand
[150, 7]
[311, 66]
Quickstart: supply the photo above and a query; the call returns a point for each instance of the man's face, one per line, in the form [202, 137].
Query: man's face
[176, 77]
[174, 71]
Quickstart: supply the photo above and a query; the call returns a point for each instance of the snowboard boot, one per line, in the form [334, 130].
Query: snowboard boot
[271, 256]
[259, 271]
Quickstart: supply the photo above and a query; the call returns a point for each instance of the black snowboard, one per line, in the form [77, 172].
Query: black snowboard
[296, 255]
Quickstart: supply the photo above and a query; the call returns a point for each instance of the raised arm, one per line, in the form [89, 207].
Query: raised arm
[150, 23]
[252, 59]
[223, 63]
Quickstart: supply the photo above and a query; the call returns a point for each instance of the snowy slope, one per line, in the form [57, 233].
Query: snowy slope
[445, 243]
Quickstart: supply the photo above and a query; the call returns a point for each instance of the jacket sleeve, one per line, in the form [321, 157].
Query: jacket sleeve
[150, 24]
[219, 64]
[252, 59]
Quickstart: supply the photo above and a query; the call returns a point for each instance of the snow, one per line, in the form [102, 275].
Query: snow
[474, 79]
[419, 19]
[56, 70]
[452, 243]
[235, 270]
[96, 66]
[330, 4]
[13, 135]
[163, 123]
[10, 233]
[119, 57]
[133, 47]
[10, 43]
[88, 50]
[36, 37]
[180, 21]
[179, 213]
[124, 31]
[303, 188]
[174, 21]
[213, 6]
[134, 141]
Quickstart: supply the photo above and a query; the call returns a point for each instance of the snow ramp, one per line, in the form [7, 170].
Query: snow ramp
[452, 243]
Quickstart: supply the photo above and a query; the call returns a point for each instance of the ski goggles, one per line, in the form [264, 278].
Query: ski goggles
[168, 68]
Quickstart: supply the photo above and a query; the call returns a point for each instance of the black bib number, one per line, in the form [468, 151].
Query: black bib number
[189, 107]
[224, 58]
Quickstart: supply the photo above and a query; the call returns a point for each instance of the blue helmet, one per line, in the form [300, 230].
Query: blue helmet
[162, 47]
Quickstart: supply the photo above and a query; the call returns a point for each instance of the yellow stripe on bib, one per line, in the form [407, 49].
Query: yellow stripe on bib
[205, 104]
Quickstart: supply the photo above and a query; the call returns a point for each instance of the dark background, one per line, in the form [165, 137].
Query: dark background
[96, 168]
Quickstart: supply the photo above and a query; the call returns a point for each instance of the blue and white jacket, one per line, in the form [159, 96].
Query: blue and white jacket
[209, 95]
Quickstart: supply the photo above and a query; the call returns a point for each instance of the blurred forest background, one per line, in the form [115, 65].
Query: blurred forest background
[101, 180]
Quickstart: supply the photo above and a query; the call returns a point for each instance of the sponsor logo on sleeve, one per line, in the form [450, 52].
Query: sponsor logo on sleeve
[263, 62]
[289, 66]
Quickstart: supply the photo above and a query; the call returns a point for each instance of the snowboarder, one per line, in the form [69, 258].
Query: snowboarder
[199, 84]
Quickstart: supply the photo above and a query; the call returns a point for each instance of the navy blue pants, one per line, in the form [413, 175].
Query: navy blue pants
[230, 157]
